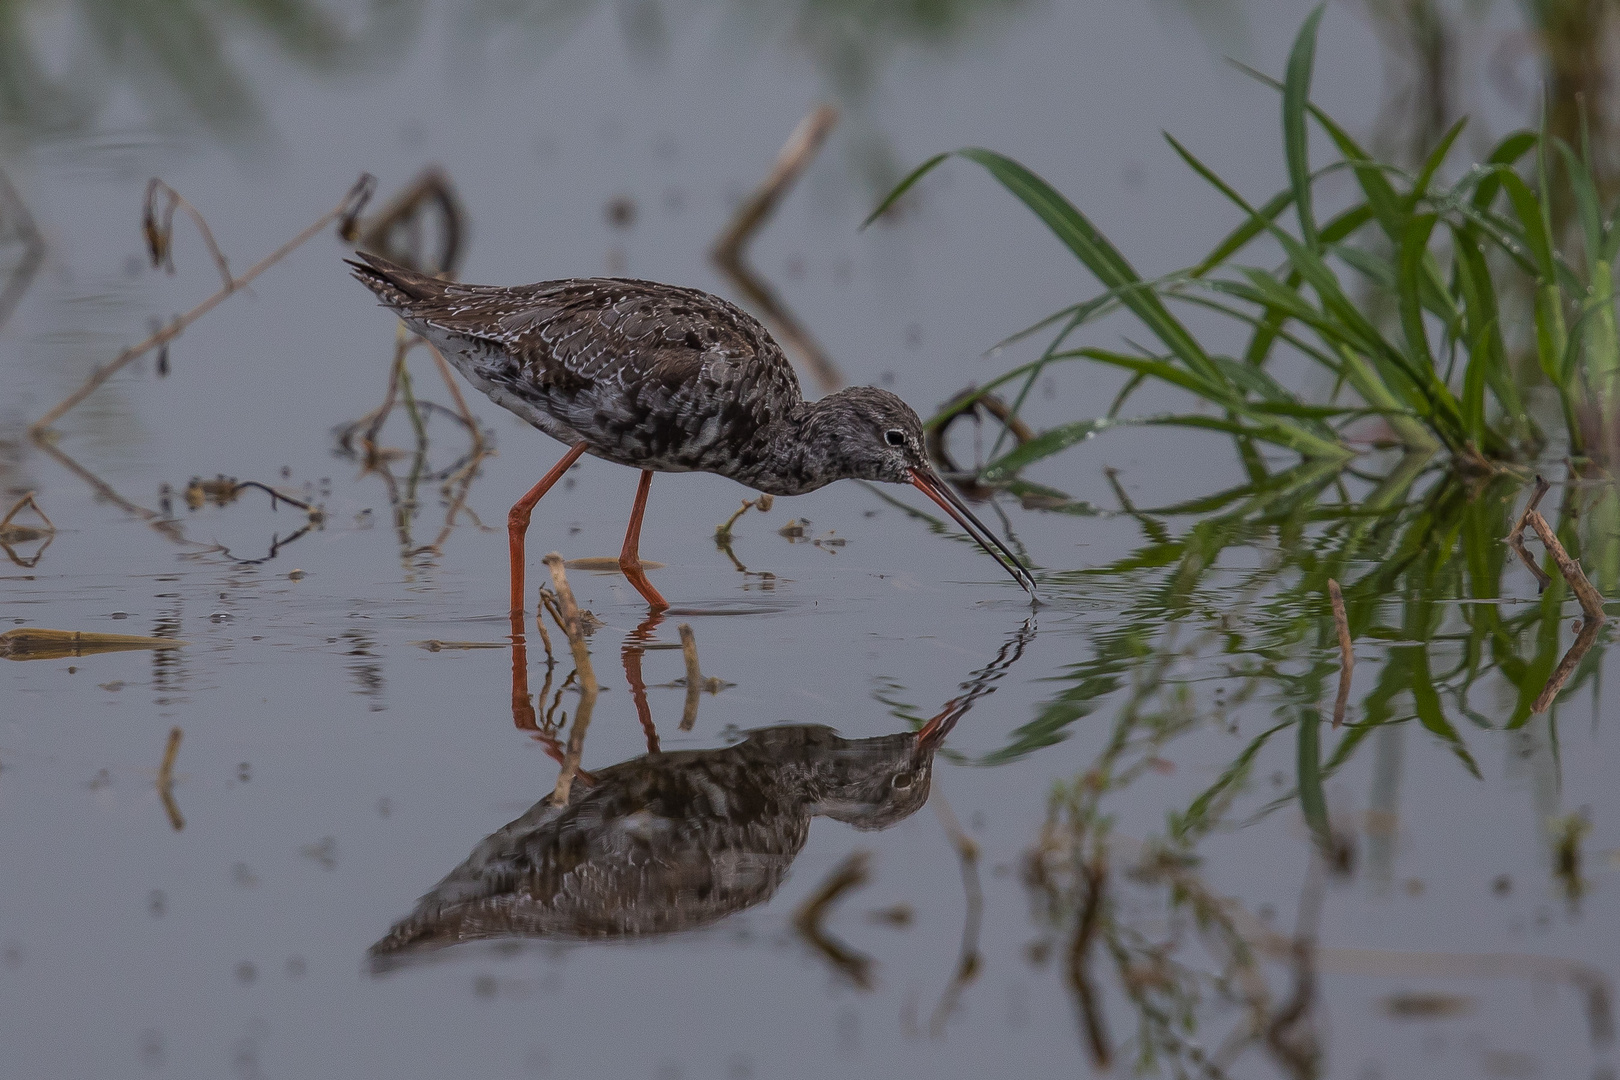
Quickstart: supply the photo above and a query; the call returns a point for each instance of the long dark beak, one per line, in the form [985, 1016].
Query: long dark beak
[935, 488]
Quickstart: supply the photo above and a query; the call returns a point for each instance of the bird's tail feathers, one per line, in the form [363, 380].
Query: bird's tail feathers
[396, 286]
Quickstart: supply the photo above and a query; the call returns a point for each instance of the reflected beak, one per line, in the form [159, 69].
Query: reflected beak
[935, 488]
[931, 734]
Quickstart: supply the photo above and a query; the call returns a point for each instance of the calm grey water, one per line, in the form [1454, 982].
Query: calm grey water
[332, 769]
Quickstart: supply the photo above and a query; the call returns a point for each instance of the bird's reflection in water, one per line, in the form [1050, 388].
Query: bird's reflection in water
[676, 841]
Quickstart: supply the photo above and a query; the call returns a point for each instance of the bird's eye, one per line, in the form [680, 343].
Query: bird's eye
[894, 437]
[900, 781]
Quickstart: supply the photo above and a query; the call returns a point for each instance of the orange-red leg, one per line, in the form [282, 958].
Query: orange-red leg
[630, 557]
[517, 520]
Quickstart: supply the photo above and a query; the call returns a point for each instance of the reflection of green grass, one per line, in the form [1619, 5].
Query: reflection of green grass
[1237, 600]
[1450, 260]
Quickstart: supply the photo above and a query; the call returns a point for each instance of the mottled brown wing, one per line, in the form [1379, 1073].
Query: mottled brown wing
[582, 330]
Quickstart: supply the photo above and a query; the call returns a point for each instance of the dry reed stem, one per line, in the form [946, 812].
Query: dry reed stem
[694, 676]
[26, 500]
[1591, 600]
[1515, 537]
[1347, 656]
[165, 780]
[160, 237]
[588, 687]
[853, 872]
[729, 250]
[39, 643]
[353, 200]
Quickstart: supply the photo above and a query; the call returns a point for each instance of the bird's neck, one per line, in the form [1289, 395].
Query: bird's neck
[799, 452]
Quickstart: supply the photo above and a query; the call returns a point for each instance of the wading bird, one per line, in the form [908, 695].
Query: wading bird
[662, 379]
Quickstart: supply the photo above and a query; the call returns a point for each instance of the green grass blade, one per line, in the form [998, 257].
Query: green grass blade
[1044, 445]
[1432, 166]
[1296, 95]
[904, 186]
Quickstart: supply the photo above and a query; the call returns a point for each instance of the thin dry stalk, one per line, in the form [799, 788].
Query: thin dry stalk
[694, 676]
[105, 491]
[160, 234]
[729, 252]
[32, 533]
[165, 780]
[722, 532]
[1515, 536]
[853, 872]
[353, 200]
[1566, 667]
[588, 687]
[1591, 600]
[1347, 656]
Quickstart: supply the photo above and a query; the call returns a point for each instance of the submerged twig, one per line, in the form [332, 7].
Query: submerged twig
[165, 780]
[1515, 537]
[355, 198]
[853, 872]
[729, 252]
[572, 626]
[1347, 656]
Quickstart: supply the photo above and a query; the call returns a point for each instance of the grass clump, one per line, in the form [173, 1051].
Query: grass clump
[1405, 297]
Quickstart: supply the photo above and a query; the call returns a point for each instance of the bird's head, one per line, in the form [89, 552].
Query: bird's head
[870, 434]
[874, 783]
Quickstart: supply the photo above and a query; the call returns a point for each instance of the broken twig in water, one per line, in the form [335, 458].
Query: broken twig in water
[1591, 600]
[344, 212]
[17, 534]
[165, 780]
[572, 625]
[1515, 537]
[37, 643]
[852, 873]
[1347, 656]
[722, 532]
[729, 252]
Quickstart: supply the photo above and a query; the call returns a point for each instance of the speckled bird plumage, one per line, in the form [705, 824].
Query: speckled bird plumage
[653, 376]
[667, 842]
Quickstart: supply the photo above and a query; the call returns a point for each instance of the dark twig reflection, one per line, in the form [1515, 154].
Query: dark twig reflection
[730, 250]
[853, 872]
